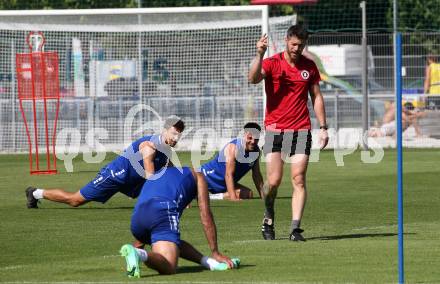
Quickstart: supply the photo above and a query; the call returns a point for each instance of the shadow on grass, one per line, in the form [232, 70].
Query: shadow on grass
[192, 269]
[278, 197]
[355, 236]
[109, 208]
[350, 236]
[211, 205]
[195, 269]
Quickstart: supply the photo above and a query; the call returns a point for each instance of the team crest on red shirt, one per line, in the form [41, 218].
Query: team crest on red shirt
[305, 74]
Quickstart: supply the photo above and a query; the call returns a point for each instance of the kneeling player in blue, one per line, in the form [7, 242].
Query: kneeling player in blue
[234, 161]
[155, 221]
[125, 174]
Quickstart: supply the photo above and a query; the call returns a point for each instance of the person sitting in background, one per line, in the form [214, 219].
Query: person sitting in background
[409, 118]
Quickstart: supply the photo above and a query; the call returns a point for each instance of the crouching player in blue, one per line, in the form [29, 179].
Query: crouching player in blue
[234, 161]
[125, 174]
[155, 221]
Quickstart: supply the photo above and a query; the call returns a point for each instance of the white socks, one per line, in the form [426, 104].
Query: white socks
[216, 196]
[143, 255]
[209, 262]
[38, 193]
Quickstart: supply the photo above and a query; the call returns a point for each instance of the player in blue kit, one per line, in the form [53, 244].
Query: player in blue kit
[155, 221]
[125, 174]
[233, 162]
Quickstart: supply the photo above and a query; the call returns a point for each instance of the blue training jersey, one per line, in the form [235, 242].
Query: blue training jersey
[177, 185]
[215, 170]
[128, 168]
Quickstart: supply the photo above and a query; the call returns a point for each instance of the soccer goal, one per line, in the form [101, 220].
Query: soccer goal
[191, 62]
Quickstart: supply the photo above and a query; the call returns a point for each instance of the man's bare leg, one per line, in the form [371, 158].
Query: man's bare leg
[299, 163]
[274, 177]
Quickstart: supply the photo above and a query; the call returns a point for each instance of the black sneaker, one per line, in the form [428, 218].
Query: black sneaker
[267, 229]
[296, 235]
[31, 200]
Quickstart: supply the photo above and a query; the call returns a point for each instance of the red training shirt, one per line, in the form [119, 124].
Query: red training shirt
[287, 90]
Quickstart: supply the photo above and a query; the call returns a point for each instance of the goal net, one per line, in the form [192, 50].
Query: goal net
[190, 62]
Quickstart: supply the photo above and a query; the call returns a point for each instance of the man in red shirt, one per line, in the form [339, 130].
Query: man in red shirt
[289, 78]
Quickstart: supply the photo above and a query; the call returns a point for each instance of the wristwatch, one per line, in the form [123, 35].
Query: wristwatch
[325, 127]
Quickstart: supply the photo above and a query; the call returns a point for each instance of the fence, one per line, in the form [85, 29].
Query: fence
[194, 66]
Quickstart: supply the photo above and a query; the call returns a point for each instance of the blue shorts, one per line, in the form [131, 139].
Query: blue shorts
[216, 190]
[105, 185]
[156, 220]
[214, 186]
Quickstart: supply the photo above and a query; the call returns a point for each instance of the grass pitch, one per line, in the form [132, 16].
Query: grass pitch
[350, 222]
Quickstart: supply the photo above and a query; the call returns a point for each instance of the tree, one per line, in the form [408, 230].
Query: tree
[419, 15]
[325, 15]
[336, 15]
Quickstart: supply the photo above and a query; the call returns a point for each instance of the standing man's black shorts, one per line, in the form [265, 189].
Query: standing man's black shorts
[288, 142]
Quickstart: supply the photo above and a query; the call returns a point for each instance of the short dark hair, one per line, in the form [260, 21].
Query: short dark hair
[408, 106]
[252, 125]
[299, 31]
[431, 57]
[174, 121]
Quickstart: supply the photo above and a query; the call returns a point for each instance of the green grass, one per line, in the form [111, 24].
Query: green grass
[350, 223]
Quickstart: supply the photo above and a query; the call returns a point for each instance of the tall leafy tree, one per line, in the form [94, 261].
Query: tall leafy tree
[419, 15]
[336, 15]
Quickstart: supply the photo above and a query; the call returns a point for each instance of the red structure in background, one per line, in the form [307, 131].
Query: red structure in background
[39, 97]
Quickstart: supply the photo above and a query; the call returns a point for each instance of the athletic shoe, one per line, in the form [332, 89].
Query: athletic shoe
[267, 229]
[296, 235]
[132, 260]
[236, 262]
[221, 266]
[31, 200]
